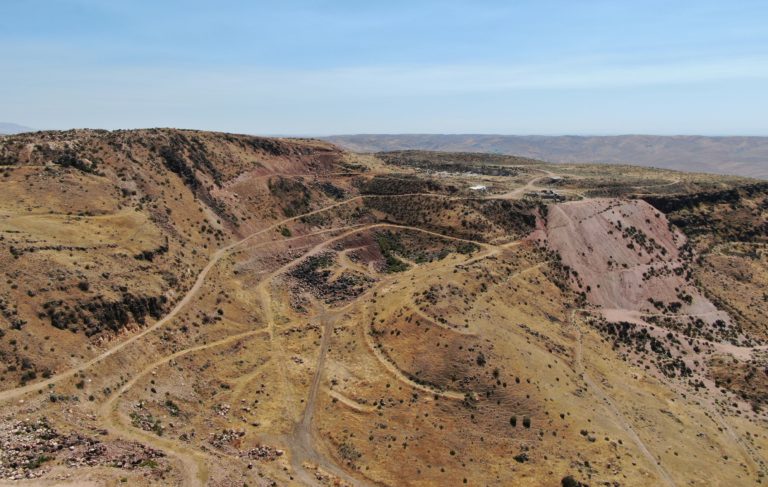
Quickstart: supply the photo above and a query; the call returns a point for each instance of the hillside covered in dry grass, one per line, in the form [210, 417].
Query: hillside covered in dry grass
[195, 308]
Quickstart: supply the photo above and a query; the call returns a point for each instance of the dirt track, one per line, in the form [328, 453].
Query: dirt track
[301, 443]
[195, 470]
[611, 406]
[215, 258]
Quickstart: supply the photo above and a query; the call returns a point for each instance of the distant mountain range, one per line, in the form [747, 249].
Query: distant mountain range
[7, 128]
[743, 156]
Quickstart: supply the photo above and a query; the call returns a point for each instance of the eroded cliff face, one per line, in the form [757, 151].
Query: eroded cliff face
[625, 256]
[623, 253]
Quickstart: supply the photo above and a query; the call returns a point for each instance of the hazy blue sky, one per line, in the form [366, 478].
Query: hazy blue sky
[324, 67]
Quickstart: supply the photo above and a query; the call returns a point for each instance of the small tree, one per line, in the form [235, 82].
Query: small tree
[481, 361]
[569, 481]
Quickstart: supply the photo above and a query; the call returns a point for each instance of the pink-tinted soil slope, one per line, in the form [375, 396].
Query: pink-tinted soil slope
[626, 257]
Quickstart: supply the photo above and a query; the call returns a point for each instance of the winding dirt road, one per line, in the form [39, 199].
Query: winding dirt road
[194, 462]
[10, 394]
[195, 471]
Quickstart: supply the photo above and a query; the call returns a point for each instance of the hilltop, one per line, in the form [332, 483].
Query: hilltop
[744, 156]
[194, 308]
[7, 128]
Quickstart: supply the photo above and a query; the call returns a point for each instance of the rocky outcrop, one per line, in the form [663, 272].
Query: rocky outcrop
[735, 214]
[28, 447]
[677, 202]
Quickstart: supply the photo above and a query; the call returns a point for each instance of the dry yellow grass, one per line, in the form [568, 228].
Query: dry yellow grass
[329, 340]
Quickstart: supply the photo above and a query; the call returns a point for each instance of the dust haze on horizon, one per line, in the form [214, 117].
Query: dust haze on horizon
[342, 67]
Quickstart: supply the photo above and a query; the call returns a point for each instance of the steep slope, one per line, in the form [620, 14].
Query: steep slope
[625, 255]
[105, 231]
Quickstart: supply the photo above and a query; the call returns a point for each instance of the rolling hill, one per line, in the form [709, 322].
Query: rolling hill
[180, 307]
[743, 156]
[7, 128]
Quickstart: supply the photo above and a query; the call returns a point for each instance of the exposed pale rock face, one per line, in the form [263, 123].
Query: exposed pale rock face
[626, 256]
